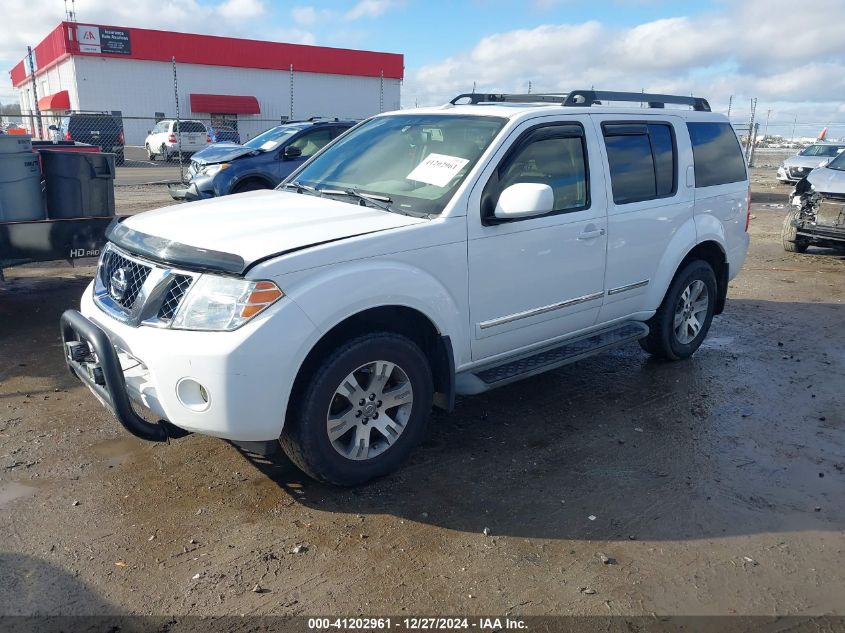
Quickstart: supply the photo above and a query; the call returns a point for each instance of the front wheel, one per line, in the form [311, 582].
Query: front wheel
[362, 410]
[150, 153]
[792, 242]
[683, 319]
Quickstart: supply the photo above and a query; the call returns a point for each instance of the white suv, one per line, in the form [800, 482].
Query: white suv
[163, 140]
[424, 254]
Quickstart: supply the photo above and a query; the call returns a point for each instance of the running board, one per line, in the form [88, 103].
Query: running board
[511, 370]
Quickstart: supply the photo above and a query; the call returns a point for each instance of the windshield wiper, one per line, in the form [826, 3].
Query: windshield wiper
[380, 202]
[300, 188]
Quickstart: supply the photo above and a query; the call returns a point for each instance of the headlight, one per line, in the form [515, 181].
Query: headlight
[224, 303]
[210, 170]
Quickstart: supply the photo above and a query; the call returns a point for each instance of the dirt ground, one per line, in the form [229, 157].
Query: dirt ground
[711, 486]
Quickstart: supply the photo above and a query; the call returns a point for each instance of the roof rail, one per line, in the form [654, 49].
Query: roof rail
[487, 97]
[586, 98]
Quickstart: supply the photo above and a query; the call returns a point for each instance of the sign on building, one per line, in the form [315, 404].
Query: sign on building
[103, 39]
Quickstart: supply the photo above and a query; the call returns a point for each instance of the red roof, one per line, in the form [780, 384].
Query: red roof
[55, 101]
[190, 48]
[228, 104]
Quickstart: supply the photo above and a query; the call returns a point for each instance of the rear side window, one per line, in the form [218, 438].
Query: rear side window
[717, 155]
[642, 160]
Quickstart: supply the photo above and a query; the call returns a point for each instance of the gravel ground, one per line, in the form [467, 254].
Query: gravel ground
[619, 485]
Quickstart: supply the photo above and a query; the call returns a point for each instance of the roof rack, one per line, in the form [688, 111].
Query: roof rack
[586, 98]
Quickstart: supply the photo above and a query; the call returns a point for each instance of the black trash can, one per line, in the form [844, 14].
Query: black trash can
[78, 184]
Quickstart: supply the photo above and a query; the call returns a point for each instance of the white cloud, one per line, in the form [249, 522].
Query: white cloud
[241, 9]
[746, 50]
[304, 15]
[371, 8]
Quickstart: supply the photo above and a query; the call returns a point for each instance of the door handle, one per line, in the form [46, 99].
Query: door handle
[590, 235]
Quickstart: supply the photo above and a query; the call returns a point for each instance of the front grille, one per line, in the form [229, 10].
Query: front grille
[799, 172]
[134, 273]
[179, 285]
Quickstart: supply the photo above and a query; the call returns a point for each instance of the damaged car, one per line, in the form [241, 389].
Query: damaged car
[817, 216]
[261, 163]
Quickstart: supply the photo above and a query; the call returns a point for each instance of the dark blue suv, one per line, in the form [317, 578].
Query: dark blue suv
[261, 163]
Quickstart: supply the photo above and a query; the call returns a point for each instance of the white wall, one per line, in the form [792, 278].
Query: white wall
[60, 77]
[139, 89]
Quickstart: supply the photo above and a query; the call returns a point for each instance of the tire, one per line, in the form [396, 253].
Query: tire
[792, 243]
[151, 156]
[671, 342]
[250, 185]
[323, 402]
[163, 153]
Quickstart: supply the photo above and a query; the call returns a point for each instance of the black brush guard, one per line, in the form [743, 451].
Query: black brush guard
[104, 376]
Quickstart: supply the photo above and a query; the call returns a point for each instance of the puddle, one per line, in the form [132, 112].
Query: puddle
[14, 490]
[116, 452]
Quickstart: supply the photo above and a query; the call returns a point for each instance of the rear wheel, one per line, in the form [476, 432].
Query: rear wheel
[362, 411]
[150, 153]
[683, 319]
[163, 153]
[792, 242]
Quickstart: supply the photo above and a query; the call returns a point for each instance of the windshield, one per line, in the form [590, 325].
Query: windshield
[415, 161]
[823, 150]
[837, 163]
[272, 138]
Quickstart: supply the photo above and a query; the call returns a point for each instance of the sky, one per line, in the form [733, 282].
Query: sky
[790, 56]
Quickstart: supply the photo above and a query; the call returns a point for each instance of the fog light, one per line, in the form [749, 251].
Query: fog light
[193, 395]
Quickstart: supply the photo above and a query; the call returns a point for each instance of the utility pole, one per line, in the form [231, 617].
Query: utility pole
[730, 104]
[766, 128]
[290, 118]
[794, 123]
[750, 142]
[34, 91]
[529, 86]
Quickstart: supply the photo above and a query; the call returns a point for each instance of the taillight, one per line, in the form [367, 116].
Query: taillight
[171, 138]
[208, 138]
[748, 210]
[120, 137]
[68, 137]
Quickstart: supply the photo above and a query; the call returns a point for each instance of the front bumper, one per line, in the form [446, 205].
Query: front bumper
[247, 374]
[91, 357]
[186, 191]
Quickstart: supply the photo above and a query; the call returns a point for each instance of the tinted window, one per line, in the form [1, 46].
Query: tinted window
[663, 150]
[642, 161]
[189, 126]
[631, 167]
[557, 161]
[718, 158]
[822, 150]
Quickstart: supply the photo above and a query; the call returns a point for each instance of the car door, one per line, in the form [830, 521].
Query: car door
[651, 201]
[533, 280]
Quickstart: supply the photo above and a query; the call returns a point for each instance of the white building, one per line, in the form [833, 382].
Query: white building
[250, 84]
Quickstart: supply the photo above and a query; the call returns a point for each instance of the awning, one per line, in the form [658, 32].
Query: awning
[55, 101]
[224, 104]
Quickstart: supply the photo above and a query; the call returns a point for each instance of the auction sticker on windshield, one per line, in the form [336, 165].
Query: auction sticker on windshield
[437, 169]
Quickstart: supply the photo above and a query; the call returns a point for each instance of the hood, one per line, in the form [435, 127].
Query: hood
[806, 161]
[827, 180]
[255, 225]
[220, 153]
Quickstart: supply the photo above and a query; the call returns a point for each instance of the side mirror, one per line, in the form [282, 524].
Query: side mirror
[54, 128]
[524, 200]
[149, 131]
[292, 152]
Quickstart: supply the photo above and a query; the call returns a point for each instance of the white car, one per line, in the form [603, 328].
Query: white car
[164, 139]
[422, 255]
[799, 166]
